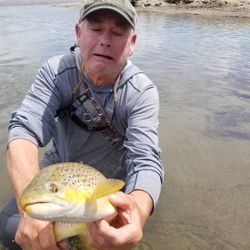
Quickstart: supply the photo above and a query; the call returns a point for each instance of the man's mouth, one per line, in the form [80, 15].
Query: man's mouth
[104, 56]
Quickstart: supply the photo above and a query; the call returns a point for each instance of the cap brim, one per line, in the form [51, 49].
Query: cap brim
[113, 8]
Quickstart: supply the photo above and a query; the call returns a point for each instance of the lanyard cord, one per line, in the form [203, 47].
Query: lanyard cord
[94, 101]
[80, 67]
[110, 133]
[78, 85]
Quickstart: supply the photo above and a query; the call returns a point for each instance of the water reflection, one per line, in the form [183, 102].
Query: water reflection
[229, 122]
[202, 69]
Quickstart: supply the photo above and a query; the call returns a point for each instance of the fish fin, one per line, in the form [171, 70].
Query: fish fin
[65, 230]
[80, 242]
[106, 187]
[74, 232]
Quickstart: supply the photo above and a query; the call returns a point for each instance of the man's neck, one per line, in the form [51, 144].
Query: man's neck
[101, 81]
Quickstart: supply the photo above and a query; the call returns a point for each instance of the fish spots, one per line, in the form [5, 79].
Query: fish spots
[75, 174]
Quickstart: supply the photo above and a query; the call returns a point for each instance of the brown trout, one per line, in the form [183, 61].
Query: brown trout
[69, 194]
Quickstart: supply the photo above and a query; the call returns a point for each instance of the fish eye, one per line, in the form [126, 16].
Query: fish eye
[53, 188]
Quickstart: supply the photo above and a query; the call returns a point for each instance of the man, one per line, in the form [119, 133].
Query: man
[98, 108]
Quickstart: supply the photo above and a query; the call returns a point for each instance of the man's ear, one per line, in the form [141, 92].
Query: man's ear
[78, 33]
[132, 44]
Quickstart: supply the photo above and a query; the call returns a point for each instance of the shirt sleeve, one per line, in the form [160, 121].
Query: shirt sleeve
[35, 119]
[144, 167]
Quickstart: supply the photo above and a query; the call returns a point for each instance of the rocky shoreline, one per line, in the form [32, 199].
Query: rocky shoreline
[228, 8]
[236, 4]
[225, 8]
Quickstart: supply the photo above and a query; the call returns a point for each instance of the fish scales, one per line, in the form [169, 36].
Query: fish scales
[74, 175]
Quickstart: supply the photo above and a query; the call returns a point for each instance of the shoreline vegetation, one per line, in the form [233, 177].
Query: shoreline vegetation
[221, 8]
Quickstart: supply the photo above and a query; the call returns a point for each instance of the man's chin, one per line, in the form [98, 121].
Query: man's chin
[103, 69]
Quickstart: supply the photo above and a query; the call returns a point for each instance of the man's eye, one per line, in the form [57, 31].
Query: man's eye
[96, 29]
[117, 33]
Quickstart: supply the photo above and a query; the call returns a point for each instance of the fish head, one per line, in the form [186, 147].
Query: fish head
[69, 193]
[47, 196]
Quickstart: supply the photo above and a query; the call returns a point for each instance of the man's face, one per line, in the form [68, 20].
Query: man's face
[106, 41]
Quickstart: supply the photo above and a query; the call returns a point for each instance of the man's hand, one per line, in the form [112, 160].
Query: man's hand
[35, 234]
[125, 230]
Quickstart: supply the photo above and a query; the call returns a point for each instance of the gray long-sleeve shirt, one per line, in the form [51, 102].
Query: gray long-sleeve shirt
[136, 118]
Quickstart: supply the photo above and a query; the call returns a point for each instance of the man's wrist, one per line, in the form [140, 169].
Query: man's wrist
[144, 203]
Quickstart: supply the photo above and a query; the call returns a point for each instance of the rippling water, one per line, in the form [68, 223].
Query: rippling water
[202, 69]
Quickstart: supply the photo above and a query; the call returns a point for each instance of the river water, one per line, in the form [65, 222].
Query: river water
[201, 66]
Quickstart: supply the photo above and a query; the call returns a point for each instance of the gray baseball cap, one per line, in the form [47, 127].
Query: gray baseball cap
[122, 7]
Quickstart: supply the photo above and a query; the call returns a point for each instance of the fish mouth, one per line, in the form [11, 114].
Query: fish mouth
[29, 205]
[43, 210]
[32, 204]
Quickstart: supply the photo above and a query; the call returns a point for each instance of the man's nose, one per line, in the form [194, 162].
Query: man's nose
[106, 39]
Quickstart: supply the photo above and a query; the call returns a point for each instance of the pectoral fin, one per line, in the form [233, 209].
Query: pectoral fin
[65, 230]
[106, 187]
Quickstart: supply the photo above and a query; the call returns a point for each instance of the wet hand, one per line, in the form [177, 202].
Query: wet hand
[35, 234]
[123, 232]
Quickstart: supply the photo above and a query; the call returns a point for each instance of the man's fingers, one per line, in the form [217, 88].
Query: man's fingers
[95, 239]
[121, 201]
[124, 217]
[120, 236]
[34, 234]
[62, 245]
[47, 238]
[123, 232]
